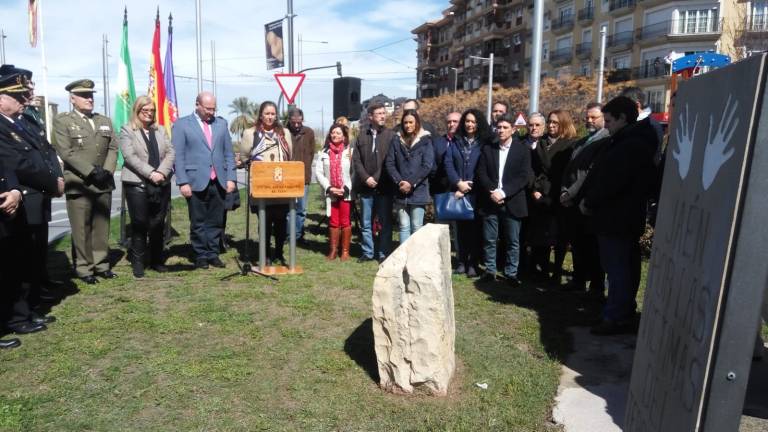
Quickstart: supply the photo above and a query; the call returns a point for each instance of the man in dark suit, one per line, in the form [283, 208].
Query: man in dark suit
[372, 184]
[205, 172]
[35, 165]
[10, 200]
[503, 173]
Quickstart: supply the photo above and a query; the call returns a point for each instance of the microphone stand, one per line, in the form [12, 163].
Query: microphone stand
[244, 264]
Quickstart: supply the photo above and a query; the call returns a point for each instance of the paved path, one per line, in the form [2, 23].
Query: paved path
[59, 225]
[594, 383]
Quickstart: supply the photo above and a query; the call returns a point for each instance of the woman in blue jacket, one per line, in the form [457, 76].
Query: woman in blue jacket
[460, 162]
[409, 162]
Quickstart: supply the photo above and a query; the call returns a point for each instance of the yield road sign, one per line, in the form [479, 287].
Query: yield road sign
[289, 85]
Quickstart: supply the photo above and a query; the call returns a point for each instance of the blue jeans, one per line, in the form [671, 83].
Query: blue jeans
[410, 218]
[620, 257]
[510, 227]
[301, 214]
[380, 206]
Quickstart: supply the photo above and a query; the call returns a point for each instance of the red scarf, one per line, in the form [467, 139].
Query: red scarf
[335, 152]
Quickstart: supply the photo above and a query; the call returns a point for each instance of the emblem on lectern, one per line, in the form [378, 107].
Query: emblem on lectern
[278, 174]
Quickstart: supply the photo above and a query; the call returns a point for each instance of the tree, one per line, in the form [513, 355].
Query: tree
[245, 112]
[572, 95]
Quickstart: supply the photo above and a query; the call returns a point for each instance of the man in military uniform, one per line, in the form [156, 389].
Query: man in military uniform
[87, 144]
[36, 168]
[10, 200]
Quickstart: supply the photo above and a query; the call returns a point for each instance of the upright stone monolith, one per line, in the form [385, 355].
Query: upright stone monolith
[413, 320]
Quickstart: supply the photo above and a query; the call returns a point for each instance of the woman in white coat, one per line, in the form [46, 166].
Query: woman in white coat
[334, 173]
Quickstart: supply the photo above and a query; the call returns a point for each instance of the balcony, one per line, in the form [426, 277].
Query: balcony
[561, 56]
[679, 30]
[584, 50]
[649, 3]
[652, 70]
[621, 41]
[586, 15]
[756, 24]
[620, 7]
[562, 25]
[618, 75]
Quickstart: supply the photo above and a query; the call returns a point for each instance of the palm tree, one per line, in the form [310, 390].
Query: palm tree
[245, 112]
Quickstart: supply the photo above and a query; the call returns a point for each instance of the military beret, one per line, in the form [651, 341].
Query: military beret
[81, 86]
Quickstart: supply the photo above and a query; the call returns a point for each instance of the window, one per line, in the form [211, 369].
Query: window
[566, 13]
[695, 21]
[621, 62]
[585, 69]
[547, 17]
[655, 98]
[758, 15]
[564, 43]
[545, 50]
[507, 42]
[586, 36]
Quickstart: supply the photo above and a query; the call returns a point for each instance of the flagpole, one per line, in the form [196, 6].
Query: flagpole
[199, 46]
[44, 65]
[105, 72]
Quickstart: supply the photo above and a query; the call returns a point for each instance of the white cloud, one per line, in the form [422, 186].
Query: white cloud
[73, 43]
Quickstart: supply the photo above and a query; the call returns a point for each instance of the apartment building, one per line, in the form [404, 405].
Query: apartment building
[640, 34]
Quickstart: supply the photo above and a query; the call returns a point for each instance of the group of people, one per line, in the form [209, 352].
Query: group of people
[531, 191]
[535, 192]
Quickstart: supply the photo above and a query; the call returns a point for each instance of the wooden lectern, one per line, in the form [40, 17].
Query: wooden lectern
[277, 181]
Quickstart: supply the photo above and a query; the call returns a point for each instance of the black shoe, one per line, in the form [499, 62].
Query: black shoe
[608, 327]
[471, 271]
[160, 268]
[460, 269]
[201, 263]
[9, 343]
[90, 280]
[279, 261]
[487, 277]
[574, 286]
[513, 281]
[27, 327]
[109, 274]
[364, 259]
[42, 319]
[216, 262]
[138, 269]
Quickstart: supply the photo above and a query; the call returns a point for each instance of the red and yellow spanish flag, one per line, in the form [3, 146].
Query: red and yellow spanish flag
[33, 23]
[156, 81]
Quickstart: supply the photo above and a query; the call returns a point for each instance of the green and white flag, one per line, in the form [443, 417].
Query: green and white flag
[126, 93]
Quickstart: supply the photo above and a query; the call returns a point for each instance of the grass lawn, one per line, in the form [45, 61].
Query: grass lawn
[187, 351]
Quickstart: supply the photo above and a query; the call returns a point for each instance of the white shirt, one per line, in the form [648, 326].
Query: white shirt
[643, 114]
[503, 152]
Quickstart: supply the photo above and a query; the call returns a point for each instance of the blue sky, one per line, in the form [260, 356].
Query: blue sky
[73, 33]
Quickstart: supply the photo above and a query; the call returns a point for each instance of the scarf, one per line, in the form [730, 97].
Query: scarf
[267, 139]
[335, 152]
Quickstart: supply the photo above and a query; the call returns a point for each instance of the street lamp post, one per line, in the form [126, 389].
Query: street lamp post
[490, 83]
[455, 85]
[301, 61]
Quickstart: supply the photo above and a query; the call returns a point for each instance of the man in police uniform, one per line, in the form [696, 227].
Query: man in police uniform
[36, 168]
[87, 144]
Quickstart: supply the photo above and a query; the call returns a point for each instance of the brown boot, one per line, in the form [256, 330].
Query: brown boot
[346, 239]
[333, 242]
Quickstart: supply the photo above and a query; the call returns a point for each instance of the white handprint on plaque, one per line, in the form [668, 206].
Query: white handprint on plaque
[682, 154]
[715, 153]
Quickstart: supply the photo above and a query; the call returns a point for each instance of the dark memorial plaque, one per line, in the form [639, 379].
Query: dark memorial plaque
[708, 266]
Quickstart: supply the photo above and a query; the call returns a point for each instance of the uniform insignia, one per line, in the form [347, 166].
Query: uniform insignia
[16, 137]
[104, 128]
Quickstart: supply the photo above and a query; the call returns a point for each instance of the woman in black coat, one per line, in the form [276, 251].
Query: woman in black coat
[549, 160]
[409, 162]
[460, 162]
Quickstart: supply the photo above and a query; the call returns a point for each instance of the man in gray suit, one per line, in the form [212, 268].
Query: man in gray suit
[205, 172]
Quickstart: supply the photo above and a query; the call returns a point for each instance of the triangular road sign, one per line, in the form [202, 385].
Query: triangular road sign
[289, 85]
[520, 121]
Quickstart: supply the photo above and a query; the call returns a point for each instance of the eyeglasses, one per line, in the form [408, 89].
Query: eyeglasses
[147, 111]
